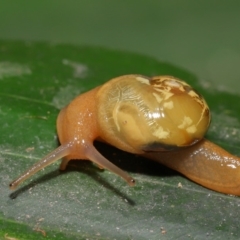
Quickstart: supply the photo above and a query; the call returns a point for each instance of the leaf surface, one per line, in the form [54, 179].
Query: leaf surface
[36, 81]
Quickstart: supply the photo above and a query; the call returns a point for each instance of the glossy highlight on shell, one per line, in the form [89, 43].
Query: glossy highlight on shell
[152, 114]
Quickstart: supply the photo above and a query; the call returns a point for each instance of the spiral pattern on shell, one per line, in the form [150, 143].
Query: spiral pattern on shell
[151, 114]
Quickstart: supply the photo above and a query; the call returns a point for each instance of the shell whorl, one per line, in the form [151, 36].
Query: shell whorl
[151, 114]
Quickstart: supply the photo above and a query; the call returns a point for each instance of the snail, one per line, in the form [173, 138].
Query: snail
[161, 118]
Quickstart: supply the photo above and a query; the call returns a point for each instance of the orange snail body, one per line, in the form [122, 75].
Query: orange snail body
[206, 164]
[162, 118]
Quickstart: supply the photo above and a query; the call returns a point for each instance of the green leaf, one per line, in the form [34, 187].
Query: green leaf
[38, 79]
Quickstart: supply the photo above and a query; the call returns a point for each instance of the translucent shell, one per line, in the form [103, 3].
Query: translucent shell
[140, 114]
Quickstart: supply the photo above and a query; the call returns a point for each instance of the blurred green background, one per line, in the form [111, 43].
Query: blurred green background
[200, 36]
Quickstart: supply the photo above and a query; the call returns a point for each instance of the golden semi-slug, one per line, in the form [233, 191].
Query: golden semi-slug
[161, 117]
